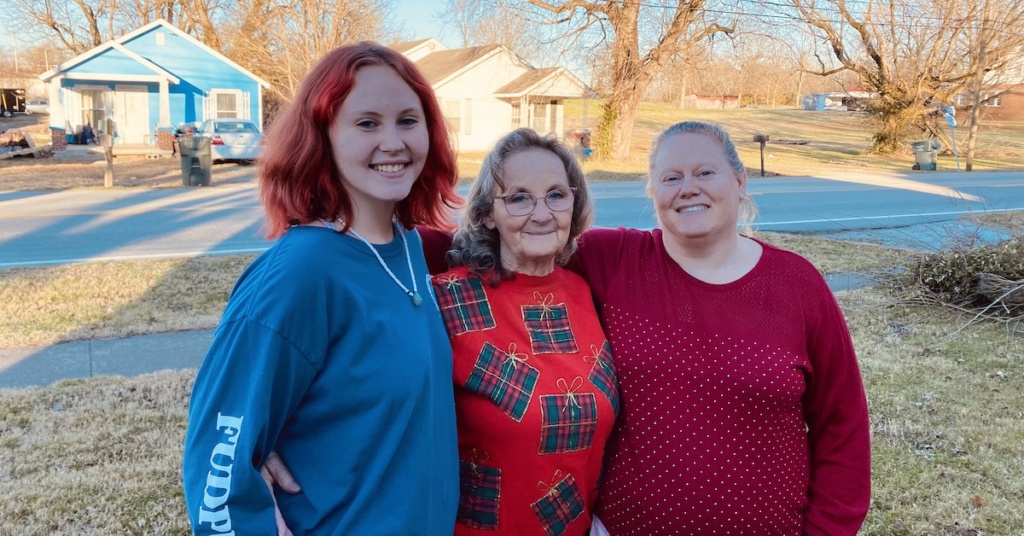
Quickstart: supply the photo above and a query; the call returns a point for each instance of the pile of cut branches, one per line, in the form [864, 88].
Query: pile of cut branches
[985, 282]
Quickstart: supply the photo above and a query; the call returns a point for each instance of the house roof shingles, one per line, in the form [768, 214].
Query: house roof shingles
[441, 64]
[525, 81]
[406, 46]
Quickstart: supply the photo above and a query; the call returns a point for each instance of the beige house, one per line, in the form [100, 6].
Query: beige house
[489, 90]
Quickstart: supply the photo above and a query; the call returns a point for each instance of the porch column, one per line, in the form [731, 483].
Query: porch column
[560, 119]
[57, 119]
[165, 104]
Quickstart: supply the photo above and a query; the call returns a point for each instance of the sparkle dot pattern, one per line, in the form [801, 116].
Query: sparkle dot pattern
[742, 411]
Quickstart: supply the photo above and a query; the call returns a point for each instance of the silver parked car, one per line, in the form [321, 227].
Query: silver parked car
[37, 106]
[232, 140]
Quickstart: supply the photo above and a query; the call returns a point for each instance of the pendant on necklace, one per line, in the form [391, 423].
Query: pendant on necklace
[417, 300]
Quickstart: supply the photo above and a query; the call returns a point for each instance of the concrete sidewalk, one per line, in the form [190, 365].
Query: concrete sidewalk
[131, 356]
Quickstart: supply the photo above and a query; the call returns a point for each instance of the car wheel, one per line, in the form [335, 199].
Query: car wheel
[7, 113]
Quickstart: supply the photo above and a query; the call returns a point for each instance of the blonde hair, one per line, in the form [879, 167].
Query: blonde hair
[748, 210]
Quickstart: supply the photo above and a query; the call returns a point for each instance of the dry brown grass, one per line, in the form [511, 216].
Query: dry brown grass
[947, 414]
[102, 456]
[98, 456]
[113, 299]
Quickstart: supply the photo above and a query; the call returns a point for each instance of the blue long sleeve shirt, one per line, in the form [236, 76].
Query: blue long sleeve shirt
[321, 357]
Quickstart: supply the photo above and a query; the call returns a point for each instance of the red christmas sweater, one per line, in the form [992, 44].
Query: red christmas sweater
[743, 411]
[535, 396]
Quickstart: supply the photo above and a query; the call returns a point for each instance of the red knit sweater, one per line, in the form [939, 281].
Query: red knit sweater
[535, 398]
[743, 411]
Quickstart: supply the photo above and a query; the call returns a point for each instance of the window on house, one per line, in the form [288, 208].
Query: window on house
[965, 99]
[517, 115]
[226, 104]
[93, 109]
[540, 115]
[553, 116]
[453, 113]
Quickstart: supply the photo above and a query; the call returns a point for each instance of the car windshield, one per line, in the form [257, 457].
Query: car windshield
[234, 126]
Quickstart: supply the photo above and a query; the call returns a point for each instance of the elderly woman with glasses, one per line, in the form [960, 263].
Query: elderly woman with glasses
[535, 388]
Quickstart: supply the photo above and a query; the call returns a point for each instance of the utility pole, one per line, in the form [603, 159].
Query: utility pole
[14, 39]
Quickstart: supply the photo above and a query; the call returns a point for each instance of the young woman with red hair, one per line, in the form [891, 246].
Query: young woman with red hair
[331, 350]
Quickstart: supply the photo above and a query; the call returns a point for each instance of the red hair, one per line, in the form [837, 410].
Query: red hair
[299, 179]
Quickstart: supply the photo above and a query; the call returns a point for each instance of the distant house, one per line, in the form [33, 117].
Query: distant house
[487, 91]
[1002, 94]
[148, 82]
[835, 101]
[711, 102]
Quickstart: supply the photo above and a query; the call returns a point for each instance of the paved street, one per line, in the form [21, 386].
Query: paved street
[41, 228]
[55, 227]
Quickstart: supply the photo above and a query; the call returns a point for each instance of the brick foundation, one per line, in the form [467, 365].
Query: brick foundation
[58, 139]
[165, 139]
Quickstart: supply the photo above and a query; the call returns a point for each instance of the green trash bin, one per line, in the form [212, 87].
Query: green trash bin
[196, 160]
[926, 153]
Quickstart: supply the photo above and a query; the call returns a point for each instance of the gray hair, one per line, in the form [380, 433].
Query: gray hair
[748, 210]
[476, 246]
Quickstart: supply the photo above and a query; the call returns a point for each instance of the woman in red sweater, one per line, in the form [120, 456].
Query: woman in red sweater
[535, 387]
[743, 411]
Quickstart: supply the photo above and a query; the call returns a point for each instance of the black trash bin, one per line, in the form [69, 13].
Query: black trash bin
[196, 160]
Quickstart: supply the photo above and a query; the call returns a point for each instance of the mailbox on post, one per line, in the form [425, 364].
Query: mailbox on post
[107, 141]
[762, 139]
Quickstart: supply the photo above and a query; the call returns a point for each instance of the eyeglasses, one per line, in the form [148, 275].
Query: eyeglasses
[522, 203]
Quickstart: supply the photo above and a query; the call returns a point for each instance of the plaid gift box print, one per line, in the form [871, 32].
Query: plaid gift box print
[505, 379]
[463, 304]
[549, 329]
[559, 507]
[602, 375]
[568, 422]
[479, 495]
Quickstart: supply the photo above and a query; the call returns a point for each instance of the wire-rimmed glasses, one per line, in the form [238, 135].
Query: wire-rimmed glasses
[523, 203]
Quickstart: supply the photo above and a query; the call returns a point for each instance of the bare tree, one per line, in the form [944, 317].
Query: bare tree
[281, 40]
[641, 37]
[995, 42]
[79, 25]
[75, 24]
[488, 22]
[912, 53]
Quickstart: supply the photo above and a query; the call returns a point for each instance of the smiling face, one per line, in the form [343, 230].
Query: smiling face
[696, 192]
[379, 141]
[530, 243]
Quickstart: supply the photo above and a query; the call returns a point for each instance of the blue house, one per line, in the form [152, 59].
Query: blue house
[142, 85]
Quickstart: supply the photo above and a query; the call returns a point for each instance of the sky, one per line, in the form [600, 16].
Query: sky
[418, 14]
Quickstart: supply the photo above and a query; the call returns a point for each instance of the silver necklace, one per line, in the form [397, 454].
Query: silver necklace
[413, 294]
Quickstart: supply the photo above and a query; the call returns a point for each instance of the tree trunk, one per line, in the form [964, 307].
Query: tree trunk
[972, 133]
[616, 125]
